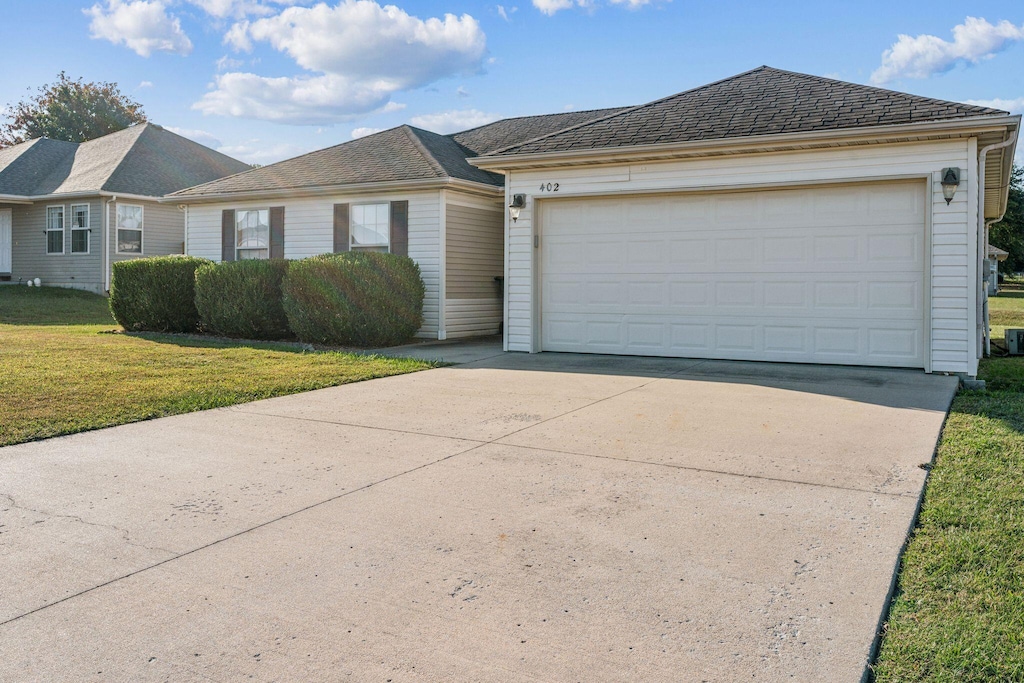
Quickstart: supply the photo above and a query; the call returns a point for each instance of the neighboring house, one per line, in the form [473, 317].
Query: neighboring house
[768, 216]
[404, 190]
[69, 210]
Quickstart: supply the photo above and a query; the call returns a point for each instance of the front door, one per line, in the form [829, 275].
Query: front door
[5, 241]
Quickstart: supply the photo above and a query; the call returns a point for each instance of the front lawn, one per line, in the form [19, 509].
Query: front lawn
[62, 370]
[959, 612]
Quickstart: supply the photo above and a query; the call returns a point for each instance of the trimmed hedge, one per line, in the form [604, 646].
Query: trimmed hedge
[242, 298]
[354, 299]
[156, 294]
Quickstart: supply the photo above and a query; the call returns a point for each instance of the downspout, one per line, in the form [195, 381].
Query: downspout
[106, 243]
[983, 231]
[184, 247]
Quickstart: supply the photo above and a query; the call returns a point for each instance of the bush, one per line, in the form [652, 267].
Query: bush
[242, 298]
[354, 299]
[156, 294]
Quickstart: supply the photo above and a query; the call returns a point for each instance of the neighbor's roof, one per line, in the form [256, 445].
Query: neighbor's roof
[143, 160]
[763, 101]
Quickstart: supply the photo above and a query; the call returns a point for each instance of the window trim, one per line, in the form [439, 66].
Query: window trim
[48, 230]
[141, 229]
[87, 229]
[351, 229]
[239, 211]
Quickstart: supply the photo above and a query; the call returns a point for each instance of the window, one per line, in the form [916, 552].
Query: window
[370, 227]
[80, 229]
[252, 234]
[129, 229]
[55, 230]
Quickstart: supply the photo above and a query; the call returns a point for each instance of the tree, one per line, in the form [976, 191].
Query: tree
[70, 110]
[1008, 234]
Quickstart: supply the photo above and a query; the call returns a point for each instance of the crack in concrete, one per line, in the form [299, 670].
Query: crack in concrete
[125, 534]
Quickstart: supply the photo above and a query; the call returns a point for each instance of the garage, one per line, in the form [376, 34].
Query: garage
[815, 274]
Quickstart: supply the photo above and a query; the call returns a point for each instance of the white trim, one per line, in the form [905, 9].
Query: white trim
[975, 191]
[442, 284]
[63, 229]
[257, 209]
[10, 237]
[87, 229]
[537, 322]
[351, 231]
[504, 285]
[337, 191]
[737, 145]
[141, 229]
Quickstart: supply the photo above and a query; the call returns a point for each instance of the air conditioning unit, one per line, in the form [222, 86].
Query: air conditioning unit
[1015, 342]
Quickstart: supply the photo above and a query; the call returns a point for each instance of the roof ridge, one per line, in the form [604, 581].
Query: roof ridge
[532, 116]
[143, 129]
[413, 134]
[627, 110]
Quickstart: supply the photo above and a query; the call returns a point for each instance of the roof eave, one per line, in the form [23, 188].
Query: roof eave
[755, 143]
[350, 188]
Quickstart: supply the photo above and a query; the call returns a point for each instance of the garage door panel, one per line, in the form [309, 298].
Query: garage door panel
[833, 275]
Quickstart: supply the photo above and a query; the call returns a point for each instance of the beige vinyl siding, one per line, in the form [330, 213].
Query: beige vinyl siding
[952, 250]
[29, 259]
[309, 230]
[474, 256]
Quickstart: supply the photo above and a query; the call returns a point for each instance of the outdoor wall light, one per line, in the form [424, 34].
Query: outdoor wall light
[517, 205]
[950, 181]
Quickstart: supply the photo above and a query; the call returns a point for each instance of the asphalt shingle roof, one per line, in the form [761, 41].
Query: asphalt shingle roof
[402, 153]
[500, 134]
[759, 102]
[144, 160]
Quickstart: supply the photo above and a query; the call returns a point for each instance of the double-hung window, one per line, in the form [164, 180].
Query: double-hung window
[80, 231]
[370, 227]
[129, 229]
[55, 230]
[252, 234]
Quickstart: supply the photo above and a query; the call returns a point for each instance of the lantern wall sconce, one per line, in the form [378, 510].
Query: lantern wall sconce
[517, 205]
[950, 181]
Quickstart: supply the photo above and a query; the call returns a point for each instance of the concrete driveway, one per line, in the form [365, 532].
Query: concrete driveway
[550, 517]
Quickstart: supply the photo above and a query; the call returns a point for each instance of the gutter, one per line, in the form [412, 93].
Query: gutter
[322, 190]
[983, 226]
[106, 242]
[868, 134]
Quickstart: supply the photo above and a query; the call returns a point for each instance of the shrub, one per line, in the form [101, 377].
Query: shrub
[156, 294]
[354, 299]
[242, 298]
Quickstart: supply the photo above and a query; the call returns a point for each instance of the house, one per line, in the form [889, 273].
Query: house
[404, 190]
[770, 216]
[69, 210]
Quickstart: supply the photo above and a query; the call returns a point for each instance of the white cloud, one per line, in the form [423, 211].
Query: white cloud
[550, 7]
[1013, 106]
[142, 25]
[145, 84]
[393, 106]
[225, 63]
[461, 92]
[200, 136]
[363, 132]
[302, 100]
[506, 12]
[926, 55]
[453, 120]
[257, 151]
[357, 53]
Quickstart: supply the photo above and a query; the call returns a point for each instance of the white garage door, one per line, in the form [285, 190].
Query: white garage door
[816, 275]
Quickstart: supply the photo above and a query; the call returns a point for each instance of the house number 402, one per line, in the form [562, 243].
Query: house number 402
[549, 187]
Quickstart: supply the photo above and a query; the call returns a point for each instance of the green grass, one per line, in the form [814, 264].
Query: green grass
[63, 369]
[959, 612]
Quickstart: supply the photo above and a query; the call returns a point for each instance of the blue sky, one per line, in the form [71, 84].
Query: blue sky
[263, 80]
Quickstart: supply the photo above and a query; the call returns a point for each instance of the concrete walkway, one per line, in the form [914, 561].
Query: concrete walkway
[550, 517]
